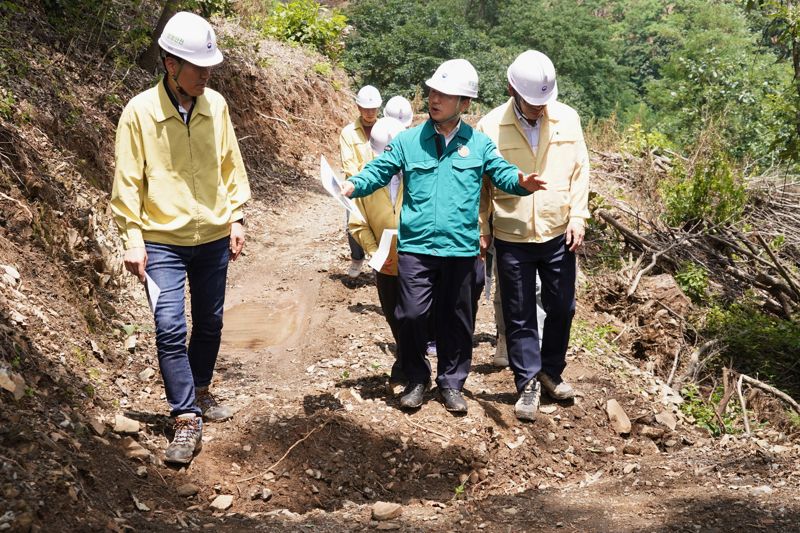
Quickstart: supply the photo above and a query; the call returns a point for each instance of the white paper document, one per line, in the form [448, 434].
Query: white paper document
[331, 182]
[153, 291]
[379, 258]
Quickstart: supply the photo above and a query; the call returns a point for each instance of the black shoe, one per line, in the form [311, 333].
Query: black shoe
[453, 400]
[412, 396]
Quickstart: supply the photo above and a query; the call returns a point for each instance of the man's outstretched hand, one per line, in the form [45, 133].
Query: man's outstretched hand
[531, 182]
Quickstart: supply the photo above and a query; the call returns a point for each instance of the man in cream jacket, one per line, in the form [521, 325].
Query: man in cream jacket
[538, 233]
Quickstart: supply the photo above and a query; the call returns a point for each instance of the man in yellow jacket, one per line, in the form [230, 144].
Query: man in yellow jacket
[356, 152]
[179, 188]
[538, 233]
[381, 211]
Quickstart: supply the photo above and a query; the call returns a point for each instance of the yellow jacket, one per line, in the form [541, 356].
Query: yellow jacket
[562, 162]
[355, 148]
[177, 184]
[377, 208]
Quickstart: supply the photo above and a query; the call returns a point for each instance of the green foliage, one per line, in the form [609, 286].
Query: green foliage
[757, 343]
[7, 103]
[397, 44]
[308, 23]
[582, 40]
[636, 140]
[693, 281]
[323, 68]
[703, 413]
[712, 193]
[591, 338]
[209, 8]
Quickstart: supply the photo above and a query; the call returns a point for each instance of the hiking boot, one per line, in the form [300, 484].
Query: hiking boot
[212, 411]
[412, 396]
[453, 400]
[500, 352]
[561, 391]
[355, 268]
[528, 403]
[188, 439]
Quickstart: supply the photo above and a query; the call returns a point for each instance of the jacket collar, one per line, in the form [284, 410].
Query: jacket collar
[165, 108]
[551, 115]
[428, 130]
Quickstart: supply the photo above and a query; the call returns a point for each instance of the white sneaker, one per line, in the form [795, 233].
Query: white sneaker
[562, 391]
[500, 352]
[355, 268]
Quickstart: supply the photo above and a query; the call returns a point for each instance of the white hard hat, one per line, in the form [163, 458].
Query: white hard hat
[383, 131]
[191, 37]
[533, 76]
[456, 77]
[369, 97]
[399, 108]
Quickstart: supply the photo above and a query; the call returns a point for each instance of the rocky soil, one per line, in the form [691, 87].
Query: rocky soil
[317, 442]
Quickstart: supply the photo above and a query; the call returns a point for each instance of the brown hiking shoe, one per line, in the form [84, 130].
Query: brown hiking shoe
[188, 440]
[212, 411]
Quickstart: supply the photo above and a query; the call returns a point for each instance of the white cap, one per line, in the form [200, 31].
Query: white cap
[383, 131]
[191, 37]
[399, 108]
[456, 77]
[533, 76]
[369, 97]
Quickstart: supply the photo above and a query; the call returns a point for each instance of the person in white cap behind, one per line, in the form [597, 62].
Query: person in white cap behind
[399, 108]
[540, 233]
[356, 152]
[179, 189]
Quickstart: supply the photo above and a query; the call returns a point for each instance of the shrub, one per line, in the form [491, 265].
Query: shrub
[756, 343]
[306, 22]
[693, 281]
[712, 193]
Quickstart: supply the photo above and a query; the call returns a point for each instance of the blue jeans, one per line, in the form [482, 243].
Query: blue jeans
[206, 266]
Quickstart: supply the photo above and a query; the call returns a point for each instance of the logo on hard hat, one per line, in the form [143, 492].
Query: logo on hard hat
[544, 88]
[444, 75]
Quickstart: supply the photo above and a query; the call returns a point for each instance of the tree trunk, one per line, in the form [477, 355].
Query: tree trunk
[150, 60]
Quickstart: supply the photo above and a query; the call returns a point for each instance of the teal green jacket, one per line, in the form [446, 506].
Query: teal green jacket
[440, 194]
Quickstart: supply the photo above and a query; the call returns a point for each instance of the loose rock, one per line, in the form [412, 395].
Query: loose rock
[618, 418]
[188, 489]
[386, 511]
[667, 419]
[222, 502]
[123, 424]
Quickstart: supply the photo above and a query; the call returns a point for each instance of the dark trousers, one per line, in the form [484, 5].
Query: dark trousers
[356, 251]
[388, 288]
[206, 267]
[517, 266]
[445, 286]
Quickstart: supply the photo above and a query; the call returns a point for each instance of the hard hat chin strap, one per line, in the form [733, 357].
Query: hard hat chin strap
[518, 108]
[455, 116]
[175, 78]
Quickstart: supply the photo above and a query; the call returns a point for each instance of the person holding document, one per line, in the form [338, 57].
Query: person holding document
[538, 234]
[443, 161]
[381, 210]
[179, 188]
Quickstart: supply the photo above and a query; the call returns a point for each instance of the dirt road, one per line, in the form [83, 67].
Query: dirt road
[317, 440]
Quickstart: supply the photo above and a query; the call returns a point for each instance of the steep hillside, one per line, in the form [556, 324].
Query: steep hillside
[65, 305]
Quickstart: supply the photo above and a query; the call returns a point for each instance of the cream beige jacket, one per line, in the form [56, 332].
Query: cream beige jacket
[562, 162]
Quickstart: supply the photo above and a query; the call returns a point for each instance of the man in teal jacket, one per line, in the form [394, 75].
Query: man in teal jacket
[443, 161]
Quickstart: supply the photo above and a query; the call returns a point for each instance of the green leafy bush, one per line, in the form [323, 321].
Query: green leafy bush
[713, 193]
[693, 281]
[702, 412]
[306, 22]
[757, 343]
